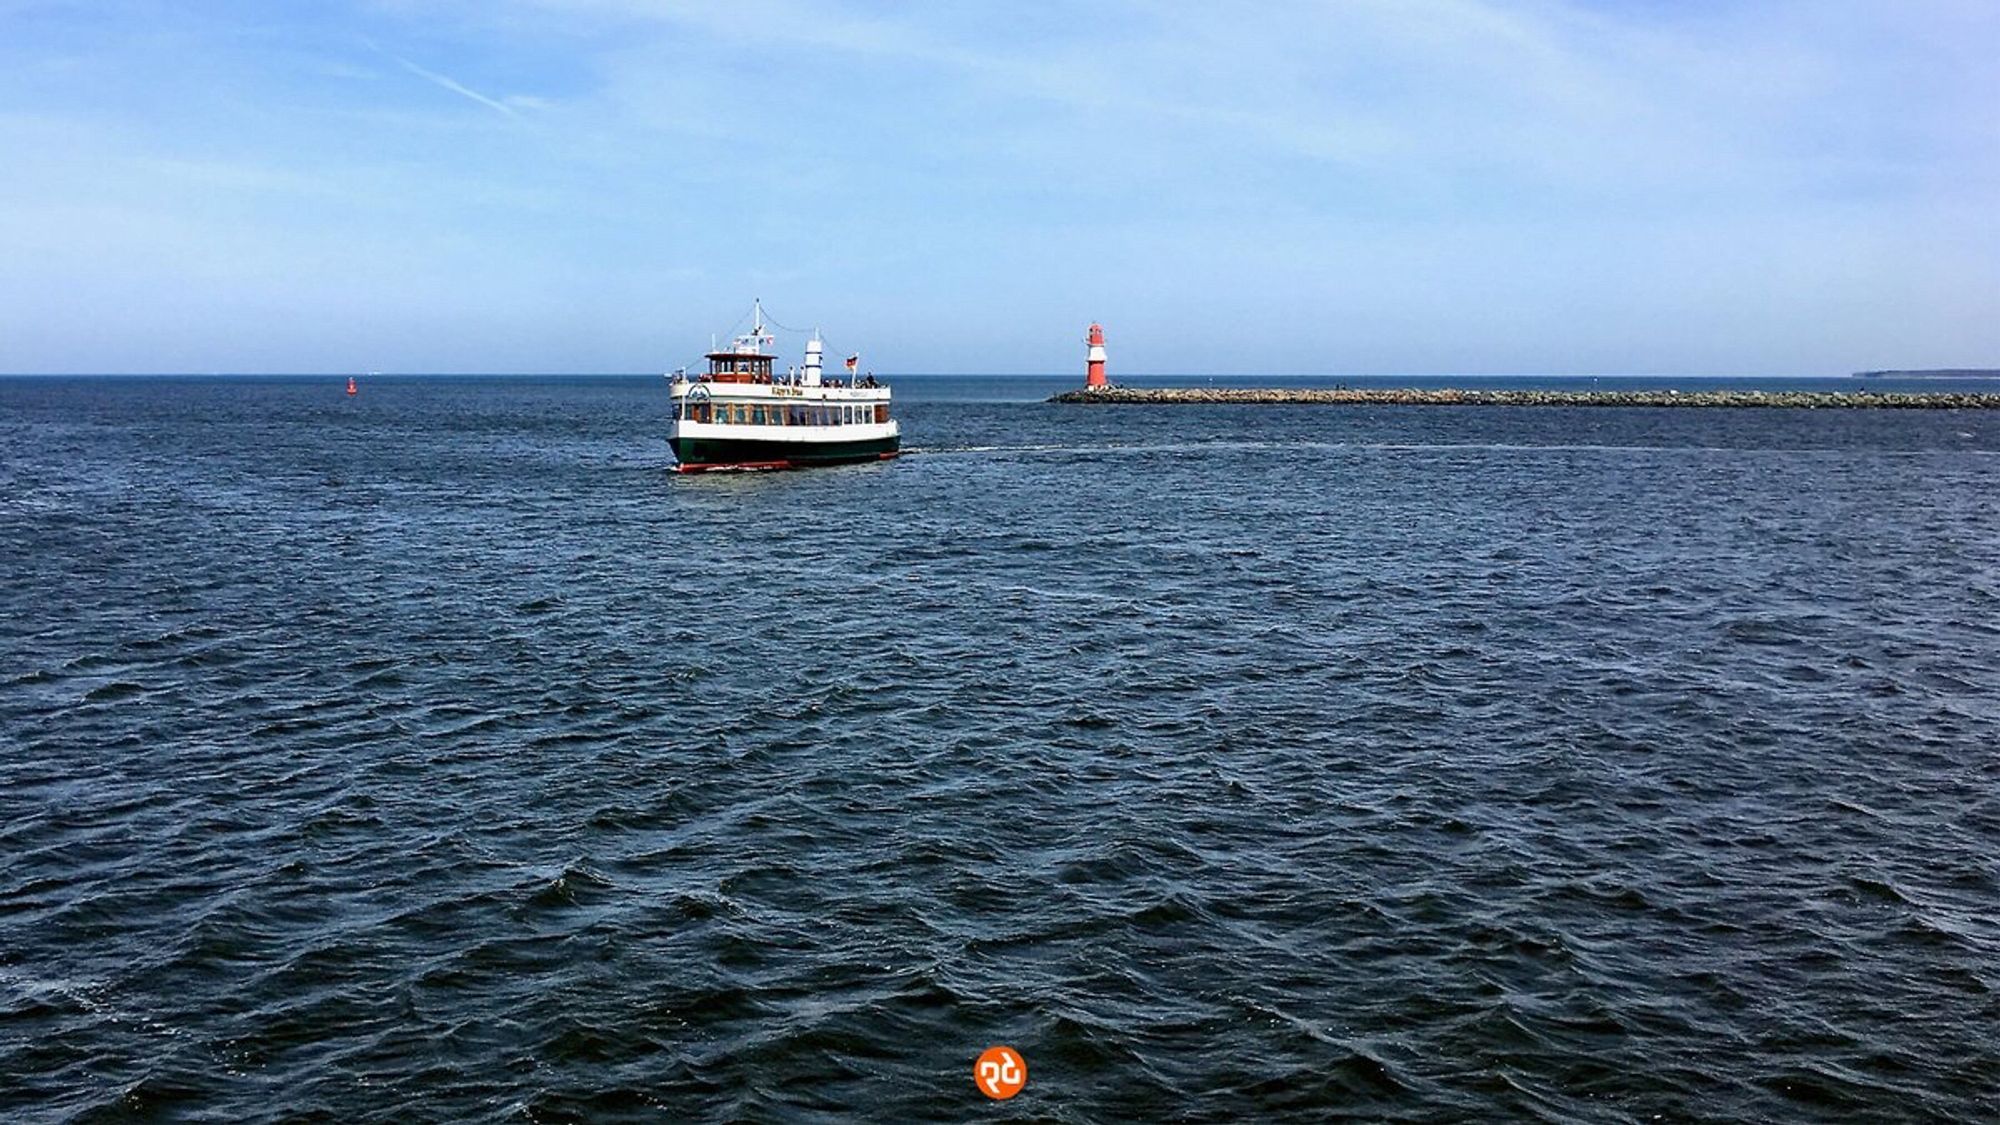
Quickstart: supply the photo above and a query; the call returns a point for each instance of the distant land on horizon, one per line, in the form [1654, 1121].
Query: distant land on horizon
[1967, 373]
[1938, 373]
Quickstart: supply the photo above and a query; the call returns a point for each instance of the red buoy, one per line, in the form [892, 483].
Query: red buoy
[351, 388]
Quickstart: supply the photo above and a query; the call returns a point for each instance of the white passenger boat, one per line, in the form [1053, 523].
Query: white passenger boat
[742, 414]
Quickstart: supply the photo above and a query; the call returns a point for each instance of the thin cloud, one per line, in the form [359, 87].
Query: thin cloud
[455, 86]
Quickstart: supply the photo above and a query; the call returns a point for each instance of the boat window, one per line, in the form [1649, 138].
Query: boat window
[881, 412]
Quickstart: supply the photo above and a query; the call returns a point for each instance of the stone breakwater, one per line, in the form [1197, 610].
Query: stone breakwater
[1299, 396]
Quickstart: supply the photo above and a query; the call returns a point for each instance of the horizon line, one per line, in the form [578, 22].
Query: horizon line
[343, 374]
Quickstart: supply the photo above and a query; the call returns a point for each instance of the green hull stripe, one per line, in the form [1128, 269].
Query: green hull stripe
[729, 451]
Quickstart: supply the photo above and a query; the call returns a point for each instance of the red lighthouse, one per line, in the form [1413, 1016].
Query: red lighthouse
[1094, 369]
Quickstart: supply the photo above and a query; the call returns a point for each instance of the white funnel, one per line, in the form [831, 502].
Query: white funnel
[813, 349]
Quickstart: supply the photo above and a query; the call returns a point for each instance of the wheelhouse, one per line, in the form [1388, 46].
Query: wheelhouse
[738, 367]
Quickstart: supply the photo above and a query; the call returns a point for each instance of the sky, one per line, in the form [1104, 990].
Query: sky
[1285, 186]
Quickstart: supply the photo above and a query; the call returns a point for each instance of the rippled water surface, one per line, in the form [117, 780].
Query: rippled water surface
[439, 755]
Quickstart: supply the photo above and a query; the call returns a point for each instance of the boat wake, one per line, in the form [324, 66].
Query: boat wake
[1396, 447]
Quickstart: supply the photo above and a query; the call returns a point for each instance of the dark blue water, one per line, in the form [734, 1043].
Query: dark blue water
[439, 755]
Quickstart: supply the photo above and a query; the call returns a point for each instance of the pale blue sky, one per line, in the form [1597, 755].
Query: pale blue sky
[1346, 186]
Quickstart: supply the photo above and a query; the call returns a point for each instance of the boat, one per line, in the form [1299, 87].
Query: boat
[743, 414]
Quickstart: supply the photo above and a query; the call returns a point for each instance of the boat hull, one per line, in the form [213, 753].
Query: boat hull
[701, 454]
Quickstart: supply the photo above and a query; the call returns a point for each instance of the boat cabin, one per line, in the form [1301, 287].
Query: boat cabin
[739, 367]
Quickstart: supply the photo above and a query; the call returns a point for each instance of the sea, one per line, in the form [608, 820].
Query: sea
[439, 754]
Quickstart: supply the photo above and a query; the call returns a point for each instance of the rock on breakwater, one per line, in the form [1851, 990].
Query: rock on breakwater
[1344, 396]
